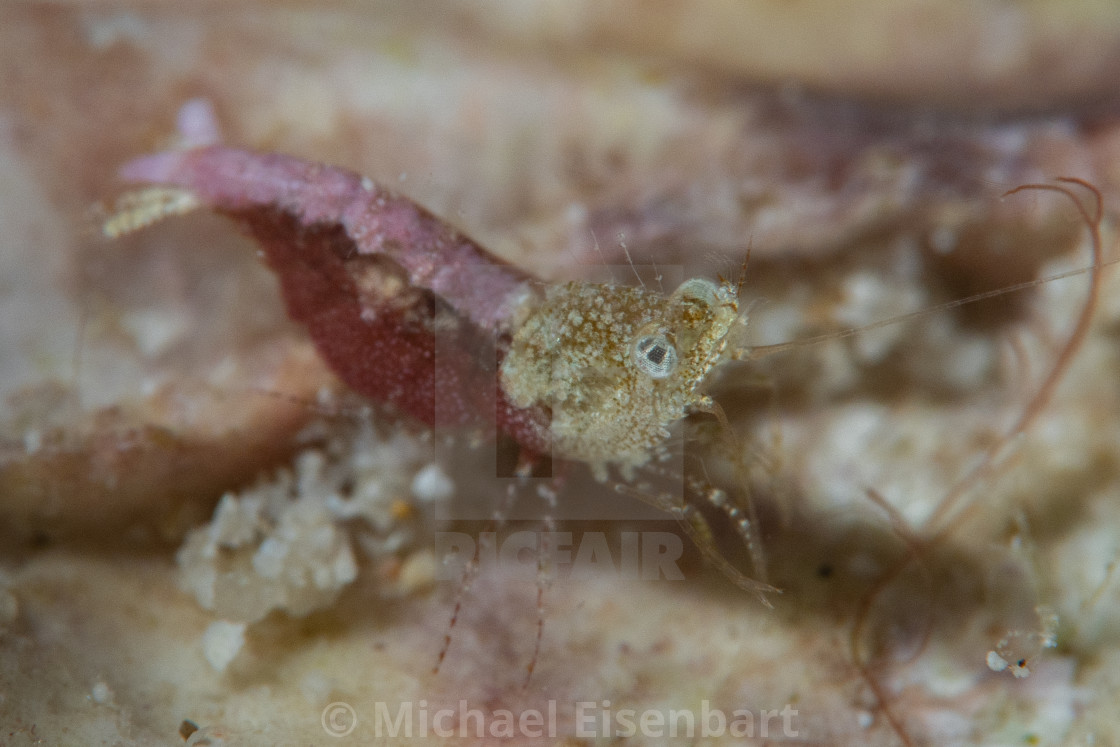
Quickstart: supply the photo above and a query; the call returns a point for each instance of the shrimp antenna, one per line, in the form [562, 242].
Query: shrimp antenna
[761, 351]
[626, 251]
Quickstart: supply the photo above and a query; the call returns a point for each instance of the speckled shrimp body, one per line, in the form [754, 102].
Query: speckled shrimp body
[617, 365]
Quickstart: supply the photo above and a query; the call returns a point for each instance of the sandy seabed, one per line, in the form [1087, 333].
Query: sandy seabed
[860, 153]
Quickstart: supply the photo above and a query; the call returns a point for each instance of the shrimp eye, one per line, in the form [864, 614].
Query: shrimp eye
[655, 355]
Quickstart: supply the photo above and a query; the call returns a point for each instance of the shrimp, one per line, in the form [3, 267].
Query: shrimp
[591, 373]
[595, 373]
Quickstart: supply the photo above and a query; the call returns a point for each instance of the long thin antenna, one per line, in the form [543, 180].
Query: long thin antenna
[599, 251]
[1046, 390]
[760, 351]
[626, 251]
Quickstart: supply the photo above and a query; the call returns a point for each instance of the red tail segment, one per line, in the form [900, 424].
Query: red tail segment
[404, 309]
